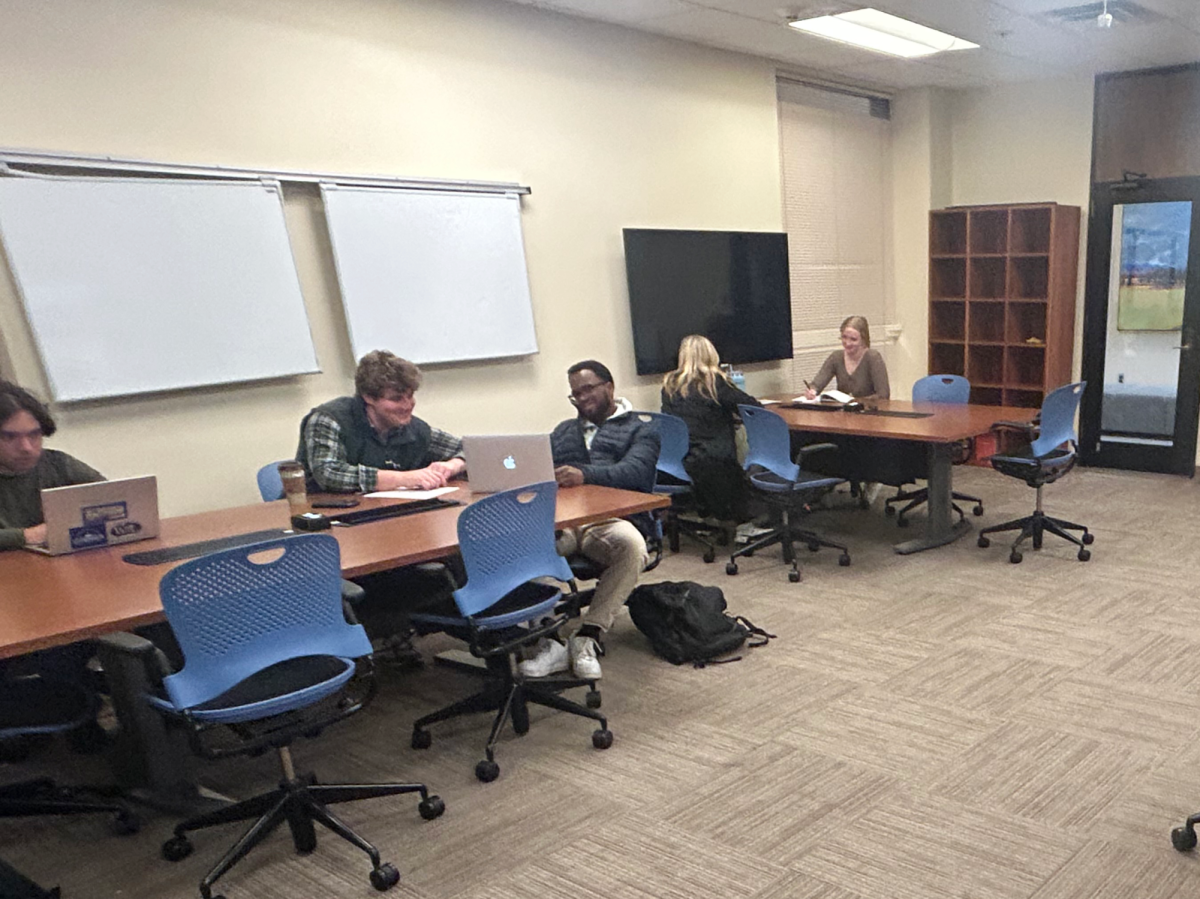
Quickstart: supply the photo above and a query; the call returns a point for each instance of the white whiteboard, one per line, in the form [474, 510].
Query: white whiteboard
[432, 277]
[137, 285]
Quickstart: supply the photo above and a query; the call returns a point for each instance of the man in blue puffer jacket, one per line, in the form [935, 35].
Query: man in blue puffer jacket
[604, 444]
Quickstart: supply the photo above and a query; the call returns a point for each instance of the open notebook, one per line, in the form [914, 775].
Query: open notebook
[828, 395]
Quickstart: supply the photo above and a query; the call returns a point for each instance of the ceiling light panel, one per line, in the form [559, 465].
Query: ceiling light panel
[880, 32]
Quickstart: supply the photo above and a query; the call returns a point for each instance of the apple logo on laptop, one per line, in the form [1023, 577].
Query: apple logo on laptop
[510, 463]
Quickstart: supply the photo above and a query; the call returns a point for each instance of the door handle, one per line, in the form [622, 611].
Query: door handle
[1182, 346]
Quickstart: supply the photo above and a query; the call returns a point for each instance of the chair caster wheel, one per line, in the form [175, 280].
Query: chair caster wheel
[487, 771]
[794, 576]
[889, 511]
[385, 877]
[177, 849]
[1183, 839]
[431, 808]
[978, 510]
[844, 560]
[901, 522]
[1015, 557]
[1088, 539]
[731, 568]
[983, 542]
[592, 700]
[710, 555]
[1084, 555]
[422, 739]
[813, 547]
[602, 738]
[125, 823]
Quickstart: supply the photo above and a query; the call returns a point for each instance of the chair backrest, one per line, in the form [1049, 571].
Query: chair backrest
[942, 389]
[506, 540]
[234, 616]
[1058, 418]
[270, 485]
[770, 444]
[673, 436]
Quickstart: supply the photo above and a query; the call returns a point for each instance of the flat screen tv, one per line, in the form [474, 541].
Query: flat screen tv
[730, 286]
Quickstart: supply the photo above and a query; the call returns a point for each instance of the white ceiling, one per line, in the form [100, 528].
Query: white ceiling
[1018, 39]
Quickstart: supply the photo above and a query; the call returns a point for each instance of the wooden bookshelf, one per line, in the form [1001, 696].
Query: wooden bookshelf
[1002, 298]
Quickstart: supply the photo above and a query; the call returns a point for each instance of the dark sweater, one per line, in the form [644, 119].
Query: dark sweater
[624, 454]
[21, 497]
[710, 422]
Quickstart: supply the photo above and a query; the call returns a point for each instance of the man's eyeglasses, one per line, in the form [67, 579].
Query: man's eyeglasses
[582, 391]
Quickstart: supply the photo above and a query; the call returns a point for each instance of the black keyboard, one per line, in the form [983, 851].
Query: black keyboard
[362, 516]
[193, 550]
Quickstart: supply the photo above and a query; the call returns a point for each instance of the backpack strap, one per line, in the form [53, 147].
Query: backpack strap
[704, 663]
[754, 629]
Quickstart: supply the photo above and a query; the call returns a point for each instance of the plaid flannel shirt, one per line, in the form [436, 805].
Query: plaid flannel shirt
[336, 474]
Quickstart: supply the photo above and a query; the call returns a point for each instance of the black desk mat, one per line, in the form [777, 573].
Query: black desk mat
[192, 550]
[887, 413]
[356, 516]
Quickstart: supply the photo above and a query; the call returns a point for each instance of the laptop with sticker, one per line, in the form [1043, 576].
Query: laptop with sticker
[503, 462]
[104, 513]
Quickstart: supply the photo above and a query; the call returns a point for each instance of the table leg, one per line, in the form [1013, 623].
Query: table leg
[940, 526]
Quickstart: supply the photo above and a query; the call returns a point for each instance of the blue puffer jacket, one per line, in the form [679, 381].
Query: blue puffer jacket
[624, 454]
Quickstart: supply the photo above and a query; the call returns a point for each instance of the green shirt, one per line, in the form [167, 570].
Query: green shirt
[21, 494]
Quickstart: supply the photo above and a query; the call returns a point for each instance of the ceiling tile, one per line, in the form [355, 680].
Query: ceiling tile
[626, 12]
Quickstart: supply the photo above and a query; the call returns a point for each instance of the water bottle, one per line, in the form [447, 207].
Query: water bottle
[737, 379]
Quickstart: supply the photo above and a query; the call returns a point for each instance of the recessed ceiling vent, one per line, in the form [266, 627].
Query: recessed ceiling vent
[1123, 12]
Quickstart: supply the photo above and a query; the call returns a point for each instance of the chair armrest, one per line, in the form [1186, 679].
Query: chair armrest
[1028, 428]
[815, 448]
[152, 659]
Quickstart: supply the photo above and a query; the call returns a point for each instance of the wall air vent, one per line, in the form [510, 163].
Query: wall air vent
[1124, 12]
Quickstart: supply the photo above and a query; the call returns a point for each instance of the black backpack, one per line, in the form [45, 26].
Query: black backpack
[686, 622]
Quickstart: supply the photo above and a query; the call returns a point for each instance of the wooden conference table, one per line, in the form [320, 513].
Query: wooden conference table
[54, 601]
[939, 428]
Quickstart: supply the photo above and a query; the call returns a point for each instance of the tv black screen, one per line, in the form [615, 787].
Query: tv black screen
[730, 286]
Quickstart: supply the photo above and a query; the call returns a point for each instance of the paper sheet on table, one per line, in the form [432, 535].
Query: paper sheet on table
[827, 396]
[769, 402]
[410, 494]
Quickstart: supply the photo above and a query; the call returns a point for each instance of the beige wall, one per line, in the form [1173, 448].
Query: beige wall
[1026, 143]
[610, 128]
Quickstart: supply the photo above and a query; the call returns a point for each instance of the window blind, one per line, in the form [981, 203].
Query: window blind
[837, 179]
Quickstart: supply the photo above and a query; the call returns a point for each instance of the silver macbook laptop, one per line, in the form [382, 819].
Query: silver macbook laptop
[503, 462]
[106, 513]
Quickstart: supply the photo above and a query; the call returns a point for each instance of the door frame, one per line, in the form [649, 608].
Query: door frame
[1180, 458]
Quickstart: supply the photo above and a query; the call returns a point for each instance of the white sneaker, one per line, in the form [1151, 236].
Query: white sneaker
[749, 531]
[550, 658]
[585, 662]
[871, 492]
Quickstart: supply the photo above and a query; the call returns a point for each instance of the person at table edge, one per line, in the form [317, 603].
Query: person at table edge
[605, 444]
[372, 441]
[860, 370]
[27, 468]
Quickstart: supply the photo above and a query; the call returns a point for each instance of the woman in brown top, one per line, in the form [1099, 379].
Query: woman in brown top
[860, 371]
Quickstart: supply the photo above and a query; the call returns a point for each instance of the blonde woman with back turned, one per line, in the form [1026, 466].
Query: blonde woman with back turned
[700, 393]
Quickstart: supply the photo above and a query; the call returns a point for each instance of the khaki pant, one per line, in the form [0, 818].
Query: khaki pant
[620, 549]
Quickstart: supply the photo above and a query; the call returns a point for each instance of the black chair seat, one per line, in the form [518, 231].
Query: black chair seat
[1034, 471]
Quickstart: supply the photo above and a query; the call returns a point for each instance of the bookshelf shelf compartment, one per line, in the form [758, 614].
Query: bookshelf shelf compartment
[947, 320]
[948, 278]
[1000, 276]
[1029, 277]
[948, 235]
[987, 277]
[947, 358]
[988, 231]
[986, 322]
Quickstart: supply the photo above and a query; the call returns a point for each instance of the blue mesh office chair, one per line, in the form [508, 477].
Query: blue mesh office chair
[785, 487]
[507, 540]
[950, 389]
[673, 436]
[1049, 455]
[35, 705]
[270, 485]
[269, 656]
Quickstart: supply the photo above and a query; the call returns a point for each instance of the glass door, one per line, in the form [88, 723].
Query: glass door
[1141, 326]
